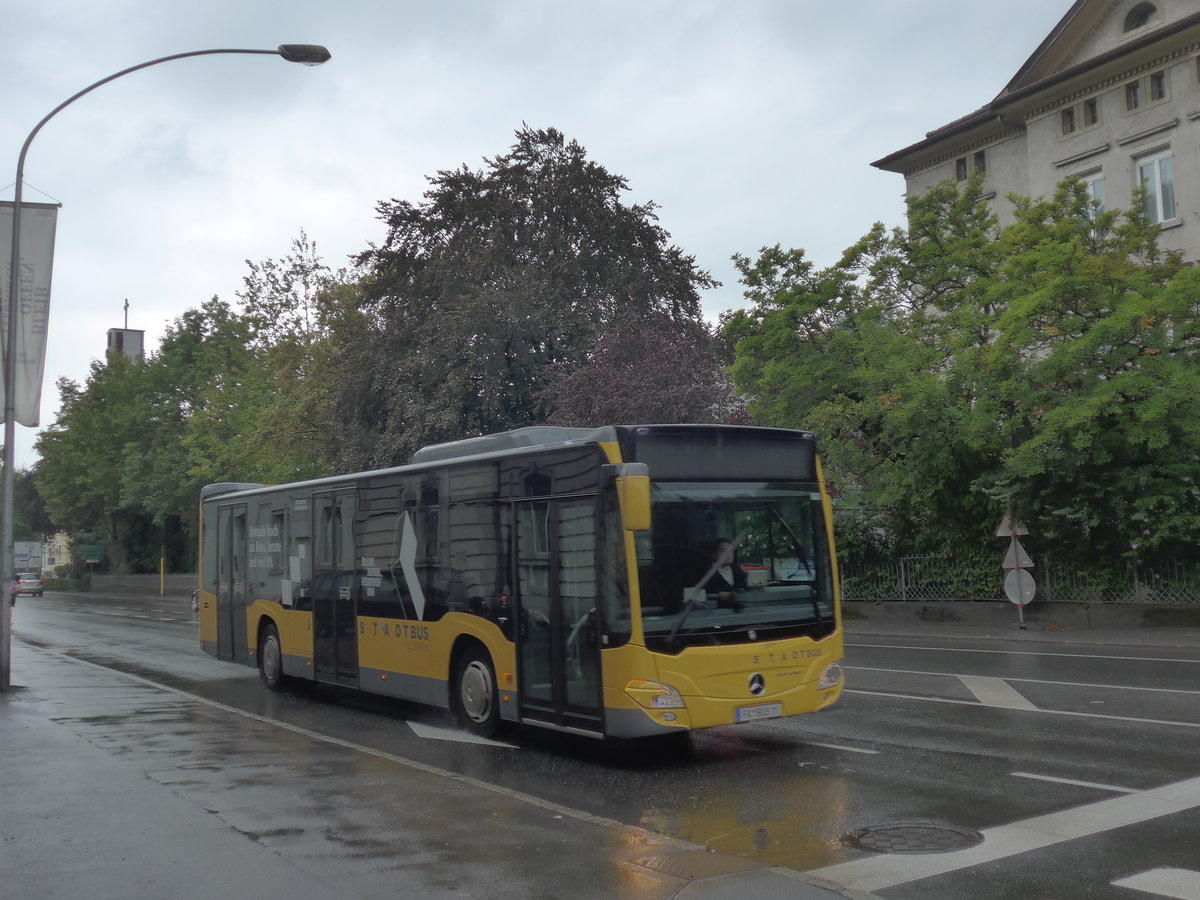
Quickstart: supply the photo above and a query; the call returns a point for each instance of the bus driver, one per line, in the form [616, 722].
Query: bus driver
[726, 576]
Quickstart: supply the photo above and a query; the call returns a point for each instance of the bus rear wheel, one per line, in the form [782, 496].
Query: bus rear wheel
[475, 695]
[270, 659]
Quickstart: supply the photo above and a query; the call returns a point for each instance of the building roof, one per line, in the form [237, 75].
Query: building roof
[1026, 85]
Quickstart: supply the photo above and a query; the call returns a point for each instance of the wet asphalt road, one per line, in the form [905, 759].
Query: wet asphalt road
[953, 735]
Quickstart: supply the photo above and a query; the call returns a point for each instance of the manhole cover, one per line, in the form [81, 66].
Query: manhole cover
[913, 838]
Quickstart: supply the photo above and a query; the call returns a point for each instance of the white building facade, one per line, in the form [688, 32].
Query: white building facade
[1112, 96]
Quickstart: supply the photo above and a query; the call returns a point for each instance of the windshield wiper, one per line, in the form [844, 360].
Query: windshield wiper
[801, 555]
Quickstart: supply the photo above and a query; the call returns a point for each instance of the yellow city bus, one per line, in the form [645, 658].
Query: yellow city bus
[625, 581]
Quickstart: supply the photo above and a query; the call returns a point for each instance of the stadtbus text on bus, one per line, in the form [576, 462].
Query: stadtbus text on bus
[624, 581]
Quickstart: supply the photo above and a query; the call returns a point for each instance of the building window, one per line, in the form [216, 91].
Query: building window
[1140, 16]
[980, 162]
[1133, 95]
[1095, 189]
[960, 169]
[1094, 183]
[1158, 87]
[1081, 117]
[1157, 175]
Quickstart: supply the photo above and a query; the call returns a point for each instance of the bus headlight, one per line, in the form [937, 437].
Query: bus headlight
[654, 695]
[831, 677]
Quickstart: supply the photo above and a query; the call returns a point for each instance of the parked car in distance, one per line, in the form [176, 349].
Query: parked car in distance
[29, 584]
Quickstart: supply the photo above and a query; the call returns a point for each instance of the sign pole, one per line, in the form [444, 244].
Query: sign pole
[1019, 585]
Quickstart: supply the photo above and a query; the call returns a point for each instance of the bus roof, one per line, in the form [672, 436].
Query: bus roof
[518, 438]
[510, 443]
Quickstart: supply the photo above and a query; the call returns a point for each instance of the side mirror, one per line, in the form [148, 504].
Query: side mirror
[633, 492]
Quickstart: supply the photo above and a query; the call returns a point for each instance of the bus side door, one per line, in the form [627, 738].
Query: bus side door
[335, 588]
[231, 582]
[558, 634]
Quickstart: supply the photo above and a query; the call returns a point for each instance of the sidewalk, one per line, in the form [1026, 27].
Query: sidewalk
[111, 787]
[999, 621]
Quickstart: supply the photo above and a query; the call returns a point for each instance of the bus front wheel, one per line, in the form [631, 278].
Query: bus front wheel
[270, 659]
[475, 693]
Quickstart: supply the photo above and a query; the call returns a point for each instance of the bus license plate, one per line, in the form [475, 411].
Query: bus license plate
[754, 713]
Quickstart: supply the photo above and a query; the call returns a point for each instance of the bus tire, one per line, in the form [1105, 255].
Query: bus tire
[270, 659]
[476, 700]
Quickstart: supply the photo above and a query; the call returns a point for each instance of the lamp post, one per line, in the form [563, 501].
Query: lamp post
[305, 54]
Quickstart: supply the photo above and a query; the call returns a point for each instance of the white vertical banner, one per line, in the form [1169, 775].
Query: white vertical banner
[38, 221]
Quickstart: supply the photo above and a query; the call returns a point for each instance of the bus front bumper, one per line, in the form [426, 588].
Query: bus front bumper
[631, 720]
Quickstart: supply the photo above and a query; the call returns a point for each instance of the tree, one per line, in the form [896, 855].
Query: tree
[1093, 380]
[957, 371]
[647, 370]
[83, 458]
[30, 519]
[229, 396]
[264, 412]
[499, 277]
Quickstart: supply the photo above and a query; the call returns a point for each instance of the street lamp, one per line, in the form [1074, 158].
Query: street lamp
[305, 54]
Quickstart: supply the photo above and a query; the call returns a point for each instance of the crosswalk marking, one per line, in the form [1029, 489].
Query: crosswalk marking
[995, 692]
[432, 732]
[1178, 884]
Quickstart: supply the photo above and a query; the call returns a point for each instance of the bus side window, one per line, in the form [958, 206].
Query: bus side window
[380, 592]
[299, 557]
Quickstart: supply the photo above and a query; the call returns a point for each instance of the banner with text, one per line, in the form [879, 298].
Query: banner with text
[38, 221]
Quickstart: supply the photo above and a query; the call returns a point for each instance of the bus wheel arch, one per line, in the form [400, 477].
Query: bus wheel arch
[474, 693]
[270, 656]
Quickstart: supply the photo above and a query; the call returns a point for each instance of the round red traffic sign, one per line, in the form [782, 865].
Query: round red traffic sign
[1019, 586]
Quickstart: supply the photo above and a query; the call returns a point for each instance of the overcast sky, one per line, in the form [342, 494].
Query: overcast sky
[750, 123]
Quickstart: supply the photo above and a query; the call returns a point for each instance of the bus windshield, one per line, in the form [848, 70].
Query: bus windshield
[733, 563]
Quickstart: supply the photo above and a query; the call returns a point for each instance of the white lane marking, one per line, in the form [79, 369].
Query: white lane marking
[1040, 711]
[1026, 653]
[451, 734]
[995, 692]
[1083, 684]
[887, 870]
[1088, 784]
[840, 747]
[1179, 884]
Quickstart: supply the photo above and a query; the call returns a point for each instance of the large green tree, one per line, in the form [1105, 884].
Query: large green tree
[500, 277]
[230, 395]
[264, 411]
[83, 458]
[958, 370]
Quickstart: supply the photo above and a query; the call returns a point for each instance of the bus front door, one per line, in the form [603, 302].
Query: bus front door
[559, 654]
[334, 589]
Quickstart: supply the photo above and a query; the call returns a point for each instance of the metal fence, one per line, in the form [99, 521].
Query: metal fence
[150, 584]
[926, 578]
